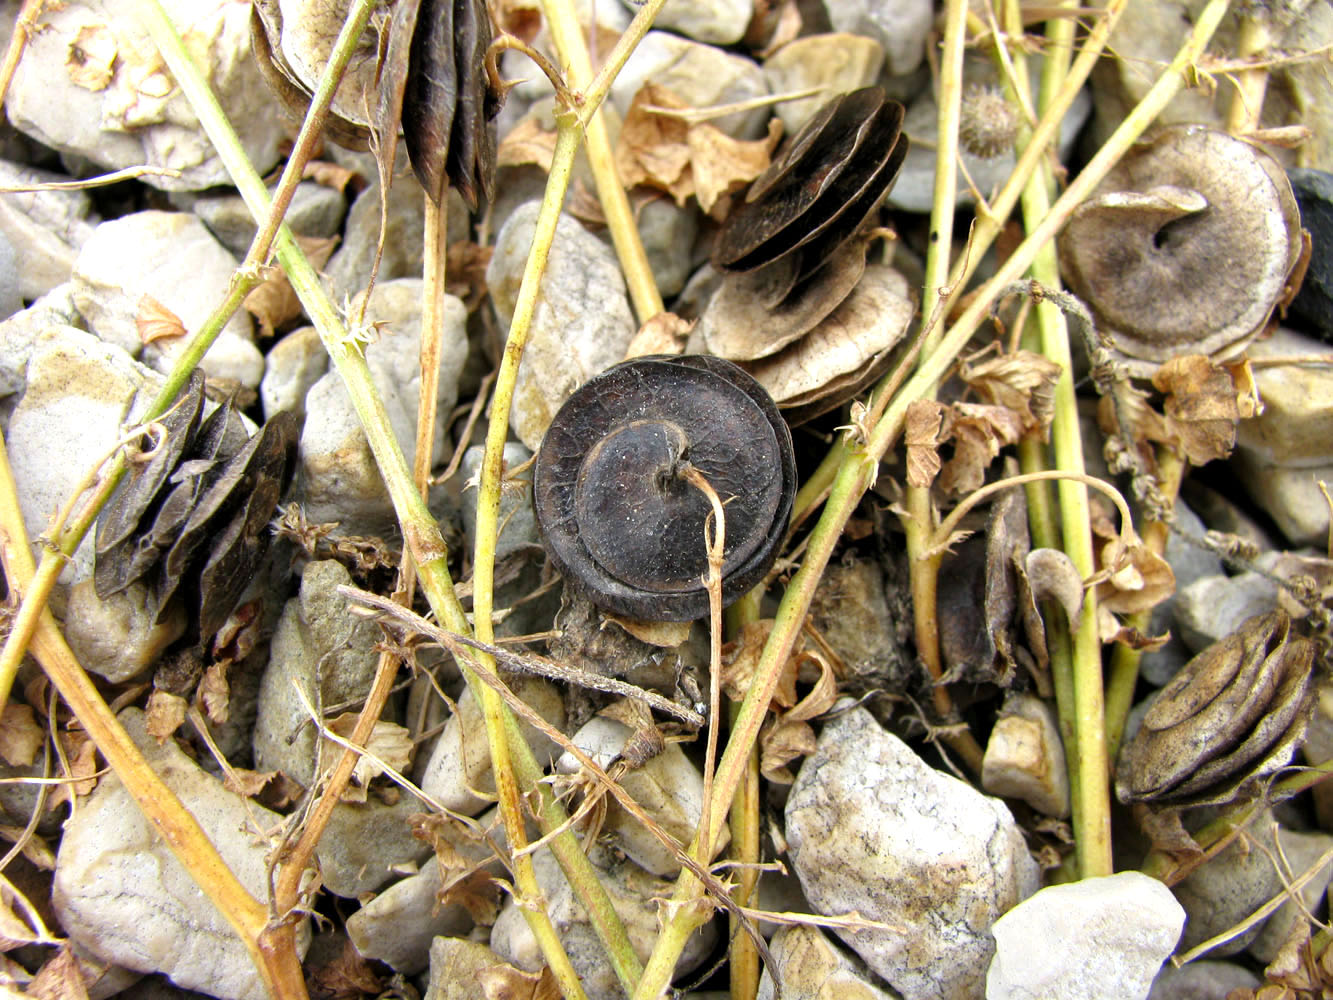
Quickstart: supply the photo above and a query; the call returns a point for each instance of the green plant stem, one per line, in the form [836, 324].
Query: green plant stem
[1090, 792]
[1125, 660]
[919, 524]
[573, 53]
[1253, 38]
[857, 471]
[743, 959]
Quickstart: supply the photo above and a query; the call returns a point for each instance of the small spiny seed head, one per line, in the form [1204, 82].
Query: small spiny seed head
[987, 122]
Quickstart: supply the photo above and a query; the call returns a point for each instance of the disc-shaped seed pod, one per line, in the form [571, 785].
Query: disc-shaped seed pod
[1186, 247]
[619, 517]
[1232, 715]
[820, 189]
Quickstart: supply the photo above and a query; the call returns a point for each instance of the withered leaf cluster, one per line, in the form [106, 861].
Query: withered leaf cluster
[429, 78]
[1233, 715]
[193, 518]
[798, 307]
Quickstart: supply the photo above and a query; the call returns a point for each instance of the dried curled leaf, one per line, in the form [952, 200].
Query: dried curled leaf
[686, 159]
[390, 745]
[924, 422]
[156, 322]
[978, 432]
[1138, 579]
[1201, 407]
[1023, 382]
[92, 57]
[20, 735]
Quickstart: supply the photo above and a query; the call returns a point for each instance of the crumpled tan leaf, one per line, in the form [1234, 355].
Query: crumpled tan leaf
[504, 982]
[273, 303]
[923, 424]
[740, 660]
[20, 735]
[1201, 407]
[165, 714]
[527, 142]
[664, 333]
[686, 159]
[389, 745]
[156, 322]
[59, 979]
[1137, 579]
[978, 432]
[1023, 382]
[462, 853]
[790, 735]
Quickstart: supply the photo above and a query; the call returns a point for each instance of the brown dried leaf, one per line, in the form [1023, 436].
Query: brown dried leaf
[1110, 629]
[273, 303]
[664, 333]
[156, 322]
[790, 735]
[20, 735]
[245, 782]
[465, 270]
[346, 975]
[520, 18]
[1248, 401]
[921, 439]
[664, 152]
[978, 432]
[1139, 579]
[666, 635]
[333, 175]
[740, 659]
[215, 693]
[389, 743]
[166, 714]
[504, 982]
[59, 979]
[1201, 407]
[1023, 381]
[81, 753]
[92, 57]
[527, 142]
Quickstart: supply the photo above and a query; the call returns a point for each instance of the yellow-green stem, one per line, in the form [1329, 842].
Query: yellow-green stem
[573, 52]
[743, 960]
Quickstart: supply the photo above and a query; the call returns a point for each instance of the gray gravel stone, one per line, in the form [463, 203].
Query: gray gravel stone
[141, 116]
[901, 26]
[116, 638]
[582, 323]
[324, 651]
[316, 210]
[292, 366]
[873, 828]
[1097, 939]
[172, 257]
[718, 22]
[341, 480]
[122, 895]
[1203, 980]
[47, 228]
[811, 967]
[366, 843]
[837, 62]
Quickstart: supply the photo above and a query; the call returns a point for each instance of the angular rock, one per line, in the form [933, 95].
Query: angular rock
[1297, 420]
[700, 75]
[342, 482]
[517, 522]
[80, 394]
[717, 22]
[1097, 939]
[811, 967]
[1189, 563]
[365, 843]
[1211, 607]
[1222, 893]
[667, 231]
[172, 257]
[873, 828]
[668, 787]
[20, 331]
[292, 366]
[1025, 758]
[133, 112]
[318, 643]
[117, 638]
[122, 895]
[582, 323]
[1301, 851]
[460, 761]
[634, 895]
[455, 966]
[48, 228]
[398, 926]
[1202, 980]
[839, 63]
[316, 210]
[901, 27]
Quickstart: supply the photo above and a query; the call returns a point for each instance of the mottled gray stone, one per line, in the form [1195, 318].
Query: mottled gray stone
[811, 967]
[292, 366]
[47, 228]
[872, 828]
[366, 843]
[122, 895]
[1096, 939]
[901, 26]
[836, 62]
[315, 210]
[117, 638]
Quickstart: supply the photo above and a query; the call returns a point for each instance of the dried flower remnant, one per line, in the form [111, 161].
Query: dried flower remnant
[1187, 247]
[987, 122]
[1232, 716]
[195, 515]
[618, 516]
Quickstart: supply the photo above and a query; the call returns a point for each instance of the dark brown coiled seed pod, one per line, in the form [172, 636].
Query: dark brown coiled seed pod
[1233, 715]
[619, 519]
[818, 192]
